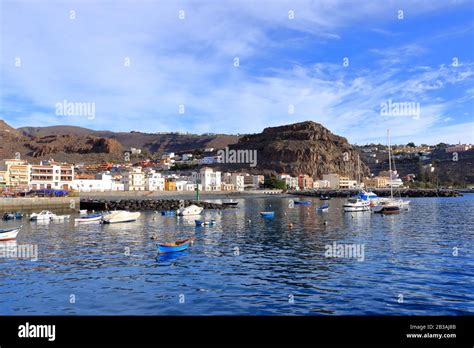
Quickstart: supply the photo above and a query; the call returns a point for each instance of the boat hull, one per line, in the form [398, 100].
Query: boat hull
[163, 249]
[9, 234]
[121, 217]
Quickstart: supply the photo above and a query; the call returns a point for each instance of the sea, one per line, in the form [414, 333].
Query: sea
[301, 262]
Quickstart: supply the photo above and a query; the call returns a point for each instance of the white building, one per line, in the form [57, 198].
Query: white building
[134, 179]
[51, 176]
[101, 183]
[290, 181]
[238, 180]
[154, 181]
[210, 180]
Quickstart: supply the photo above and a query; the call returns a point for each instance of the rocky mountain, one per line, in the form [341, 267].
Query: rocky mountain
[77, 144]
[300, 148]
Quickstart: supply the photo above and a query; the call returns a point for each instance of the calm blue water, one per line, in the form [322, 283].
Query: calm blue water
[410, 254]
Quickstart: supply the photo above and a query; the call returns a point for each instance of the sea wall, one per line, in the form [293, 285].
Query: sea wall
[143, 204]
[38, 203]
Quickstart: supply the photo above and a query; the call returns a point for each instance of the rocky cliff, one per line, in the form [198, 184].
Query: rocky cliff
[301, 148]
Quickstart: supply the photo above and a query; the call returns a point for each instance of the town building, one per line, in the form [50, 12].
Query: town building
[51, 175]
[134, 179]
[210, 180]
[305, 182]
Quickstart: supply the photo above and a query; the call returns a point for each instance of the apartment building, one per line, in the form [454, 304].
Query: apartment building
[134, 179]
[51, 175]
[210, 180]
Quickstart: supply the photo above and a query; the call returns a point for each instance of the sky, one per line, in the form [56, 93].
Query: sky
[356, 67]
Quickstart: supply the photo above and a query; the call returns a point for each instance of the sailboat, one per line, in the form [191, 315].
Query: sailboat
[388, 206]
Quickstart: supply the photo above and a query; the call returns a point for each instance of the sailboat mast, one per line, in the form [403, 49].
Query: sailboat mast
[390, 163]
[358, 170]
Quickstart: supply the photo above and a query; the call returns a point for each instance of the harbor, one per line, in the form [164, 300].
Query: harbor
[237, 261]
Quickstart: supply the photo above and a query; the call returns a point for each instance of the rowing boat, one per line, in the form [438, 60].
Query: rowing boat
[9, 233]
[179, 245]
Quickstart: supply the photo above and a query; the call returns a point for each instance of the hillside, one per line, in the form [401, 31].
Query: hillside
[300, 148]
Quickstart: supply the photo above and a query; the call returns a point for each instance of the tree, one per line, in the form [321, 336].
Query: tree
[273, 182]
[411, 144]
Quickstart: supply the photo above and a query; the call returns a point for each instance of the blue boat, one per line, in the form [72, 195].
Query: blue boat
[179, 245]
[303, 202]
[323, 207]
[168, 213]
[12, 216]
[267, 214]
[204, 223]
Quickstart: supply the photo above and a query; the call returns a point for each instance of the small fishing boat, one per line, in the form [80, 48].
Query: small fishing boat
[204, 223]
[179, 245]
[355, 204]
[267, 214]
[83, 211]
[168, 213]
[9, 233]
[12, 216]
[44, 215]
[89, 218]
[303, 202]
[387, 208]
[325, 198]
[119, 216]
[59, 217]
[323, 207]
[191, 210]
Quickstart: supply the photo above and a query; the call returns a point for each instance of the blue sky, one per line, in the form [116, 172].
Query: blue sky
[282, 62]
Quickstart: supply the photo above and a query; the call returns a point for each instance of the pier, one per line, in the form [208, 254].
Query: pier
[144, 204]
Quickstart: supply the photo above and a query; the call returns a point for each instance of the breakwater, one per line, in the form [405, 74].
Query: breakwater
[144, 204]
[38, 203]
[381, 192]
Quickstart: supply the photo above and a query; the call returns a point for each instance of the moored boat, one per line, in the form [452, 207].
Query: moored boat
[325, 198]
[179, 245]
[230, 204]
[191, 210]
[324, 207]
[9, 233]
[89, 218]
[118, 216]
[42, 216]
[12, 216]
[168, 213]
[83, 211]
[303, 202]
[60, 217]
[355, 204]
[387, 208]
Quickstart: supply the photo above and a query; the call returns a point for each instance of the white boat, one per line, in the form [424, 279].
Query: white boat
[120, 216]
[191, 210]
[9, 233]
[89, 218]
[389, 205]
[44, 215]
[60, 217]
[83, 211]
[355, 204]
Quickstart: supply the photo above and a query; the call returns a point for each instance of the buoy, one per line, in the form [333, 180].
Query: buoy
[249, 221]
[325, 222]
[290, 225]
